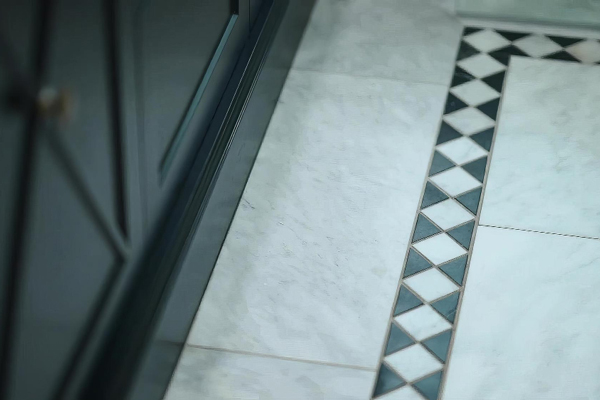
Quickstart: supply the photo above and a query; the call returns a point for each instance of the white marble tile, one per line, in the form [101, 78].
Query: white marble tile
[312, 259]
[469, 120]
[587, 51]
[455, 181]
[410, 40]
[544, 171]
[528, 325]
[486, 40]
[431, 284]
[216, 375]
[537, 45]
[447, 214]
[462, 150]
[481, 65]
[423, 322]
[475, 92]
[404, 393]
[413, 362]
[439, 248]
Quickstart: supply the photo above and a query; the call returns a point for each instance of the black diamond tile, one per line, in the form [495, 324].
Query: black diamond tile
[439, 164]
[469, 29]
[503, 54]
[512, 36]
[424, 229]
[466, 50]
[447, 133]
[470, 200]
[463, 234]
[387, 381]
[476, 168]
[565, 41]
[397, 340]
[406, 301]
[430, 386]
[453, 103]
[495, 81]
[490, 108]
[460, 76]
[447, 306]
[439, 345]
[432, 195]
[415, 263]
[561, 55]
[456, 269]
[484, 138]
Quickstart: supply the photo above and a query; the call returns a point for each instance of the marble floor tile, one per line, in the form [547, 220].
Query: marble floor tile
[410, 40]
[440, 248]
[544, 171]
[528, 326]
[312, 260]
[447, 214]
[423, 322]
[413, 362]
[431, 284]
[208, 374]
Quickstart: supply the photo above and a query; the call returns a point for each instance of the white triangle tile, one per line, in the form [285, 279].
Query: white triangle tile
[474, 92]
[486, 40]
[423, 322]
[431, 284]
[455, 181]
[413, 362]
[469, 120]
[537, 45]
[440, 248]
[447, 214]
[462, 150]
[404, 393]
[481, 65]
[587, 51]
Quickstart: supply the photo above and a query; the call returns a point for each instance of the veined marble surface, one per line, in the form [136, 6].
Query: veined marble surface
[410, 40]
[208, 375]
[544, 173]
[312, 260]
[528, 326]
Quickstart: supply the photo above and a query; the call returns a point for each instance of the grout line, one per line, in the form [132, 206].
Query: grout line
[284, 358]
[541, 232]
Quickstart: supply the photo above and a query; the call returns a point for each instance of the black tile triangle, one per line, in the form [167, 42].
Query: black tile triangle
[495, 81]
[469, 29]
[387, 381]
[430, 386]
[561, 55]
[512, 36]
[453, 103]
[424, 229]
[476, 168]
[466, 50]
[456, 269]
[397, 340]
[432, 195]
[415, 263]
[447, 306]
[447, 133]
[439, 345]
[484, 138]
[460, 76]
[490, 108]
[503, 55]
[439, 164]
[470, 200]
[565, 41]
[463, 234]
[406, 301]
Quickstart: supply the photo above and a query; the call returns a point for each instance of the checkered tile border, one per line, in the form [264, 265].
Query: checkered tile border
[419, 338]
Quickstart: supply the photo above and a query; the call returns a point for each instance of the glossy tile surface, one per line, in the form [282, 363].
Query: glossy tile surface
[216, 375]
[311, 263]
[544, 172]
[528, 326]
[411, 40]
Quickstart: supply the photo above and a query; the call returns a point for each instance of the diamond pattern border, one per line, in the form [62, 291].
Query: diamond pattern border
[481, 63]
